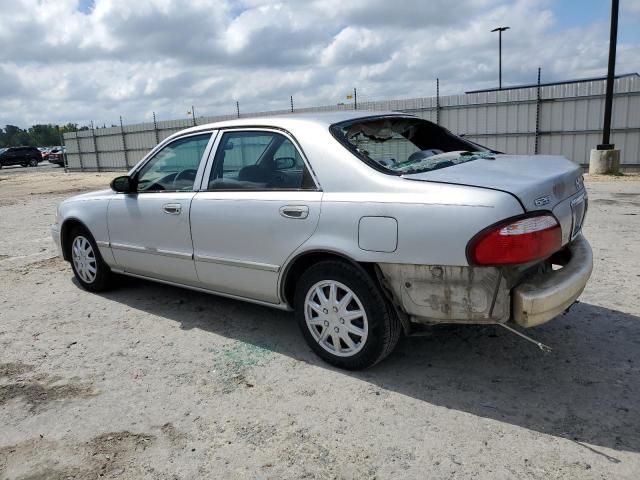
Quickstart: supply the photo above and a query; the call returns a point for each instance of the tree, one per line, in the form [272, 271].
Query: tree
[36, 135]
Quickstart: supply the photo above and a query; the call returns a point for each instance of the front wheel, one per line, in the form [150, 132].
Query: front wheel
[344, 317]
[88, 266]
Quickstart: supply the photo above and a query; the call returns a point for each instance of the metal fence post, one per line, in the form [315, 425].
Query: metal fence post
[437, 101]
[536, 146]
[79, 152]
[155, 127]
[124, 143]
[95, 146]
[64, 149]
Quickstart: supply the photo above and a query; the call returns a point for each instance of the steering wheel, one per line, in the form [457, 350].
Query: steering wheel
[186, 174]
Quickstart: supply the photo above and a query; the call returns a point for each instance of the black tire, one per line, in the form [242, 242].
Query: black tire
[384, 327]
[103, 277]
[33, 162]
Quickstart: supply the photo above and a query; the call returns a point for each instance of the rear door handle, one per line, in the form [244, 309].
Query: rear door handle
[294, 211]
[172, 208]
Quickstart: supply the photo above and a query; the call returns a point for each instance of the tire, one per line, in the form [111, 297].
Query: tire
[24, 165]
[376, 332]
[85, 257]
[33, 162]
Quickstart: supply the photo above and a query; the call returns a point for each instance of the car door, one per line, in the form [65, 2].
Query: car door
[259, 203]
[149, 230]
[11, 156]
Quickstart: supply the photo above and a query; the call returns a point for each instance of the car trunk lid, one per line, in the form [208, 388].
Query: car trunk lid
[540, 182]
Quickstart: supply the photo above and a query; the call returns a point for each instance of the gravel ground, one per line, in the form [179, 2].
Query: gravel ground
[150, 381]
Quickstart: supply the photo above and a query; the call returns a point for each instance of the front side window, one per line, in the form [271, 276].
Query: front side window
[174, 167]
[257, 160]
[404, 145]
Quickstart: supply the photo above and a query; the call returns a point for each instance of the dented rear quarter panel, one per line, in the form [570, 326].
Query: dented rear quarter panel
[434, 221]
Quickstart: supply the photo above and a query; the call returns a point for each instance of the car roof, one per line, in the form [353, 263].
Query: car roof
[285, 121]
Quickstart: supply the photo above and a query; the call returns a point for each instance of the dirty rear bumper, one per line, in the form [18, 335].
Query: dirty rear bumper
[545, 295]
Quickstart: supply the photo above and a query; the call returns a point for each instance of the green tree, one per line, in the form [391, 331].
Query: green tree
[37, 135]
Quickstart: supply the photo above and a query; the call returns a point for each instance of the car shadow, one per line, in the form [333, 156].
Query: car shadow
[586, 390]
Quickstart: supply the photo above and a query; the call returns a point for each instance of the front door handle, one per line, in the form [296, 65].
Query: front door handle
[294, 211]
[172, 208]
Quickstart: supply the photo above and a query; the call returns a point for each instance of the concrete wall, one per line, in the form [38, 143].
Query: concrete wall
[567, 120]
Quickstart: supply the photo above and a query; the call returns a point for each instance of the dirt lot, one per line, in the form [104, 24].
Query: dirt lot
[150, 381]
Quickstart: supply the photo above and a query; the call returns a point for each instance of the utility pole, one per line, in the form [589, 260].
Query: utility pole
[611, 72]
[500, 30]
[355, 98]
[605, 159]
[193, 115]
[238, 108]
[291, 103]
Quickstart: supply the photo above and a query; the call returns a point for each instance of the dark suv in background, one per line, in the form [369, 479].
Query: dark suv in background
[25, 156]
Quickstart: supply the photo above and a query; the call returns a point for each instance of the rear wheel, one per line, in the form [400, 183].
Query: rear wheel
[88, 266]
[344, 317]
[33, 162]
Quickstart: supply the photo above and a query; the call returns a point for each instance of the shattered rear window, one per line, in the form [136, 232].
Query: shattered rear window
[405, 145]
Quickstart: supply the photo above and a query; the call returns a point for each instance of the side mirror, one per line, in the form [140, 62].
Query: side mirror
[123, 184]
[285, 163]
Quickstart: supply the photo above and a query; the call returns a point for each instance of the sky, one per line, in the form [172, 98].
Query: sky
[96, 60]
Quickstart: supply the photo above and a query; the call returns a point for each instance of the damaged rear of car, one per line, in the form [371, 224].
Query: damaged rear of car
[525, 269]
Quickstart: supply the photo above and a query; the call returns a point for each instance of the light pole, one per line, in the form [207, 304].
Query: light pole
[500, 30]
[611, 71]
[605, 159]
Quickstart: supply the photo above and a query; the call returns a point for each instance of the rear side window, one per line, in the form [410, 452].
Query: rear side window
[258, 160]
[404, 145]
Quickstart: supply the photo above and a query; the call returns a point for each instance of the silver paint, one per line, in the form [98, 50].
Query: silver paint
[241, 244]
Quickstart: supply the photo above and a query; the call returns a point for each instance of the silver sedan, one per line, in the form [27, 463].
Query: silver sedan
[366, 224]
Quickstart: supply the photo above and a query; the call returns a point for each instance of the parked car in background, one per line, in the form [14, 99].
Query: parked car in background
[366, 224]
[25, 156]
[50, 151]
[57, 157]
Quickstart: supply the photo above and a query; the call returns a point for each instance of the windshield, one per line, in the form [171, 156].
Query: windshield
[404, 145]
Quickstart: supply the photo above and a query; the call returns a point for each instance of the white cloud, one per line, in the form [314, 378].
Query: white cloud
[632, 6]
[128, 58]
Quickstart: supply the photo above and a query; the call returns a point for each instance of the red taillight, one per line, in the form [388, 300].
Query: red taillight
[517, 241]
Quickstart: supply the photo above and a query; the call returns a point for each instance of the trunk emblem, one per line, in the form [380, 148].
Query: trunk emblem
[542, 201]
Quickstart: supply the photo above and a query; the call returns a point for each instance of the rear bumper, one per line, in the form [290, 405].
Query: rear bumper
[543, 296]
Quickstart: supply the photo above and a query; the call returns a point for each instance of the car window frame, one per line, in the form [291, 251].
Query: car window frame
[204, 186]
[335, 128]
[133, 173]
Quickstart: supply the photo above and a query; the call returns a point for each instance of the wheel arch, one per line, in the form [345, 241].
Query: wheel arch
[65, 230]
[302, 261]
